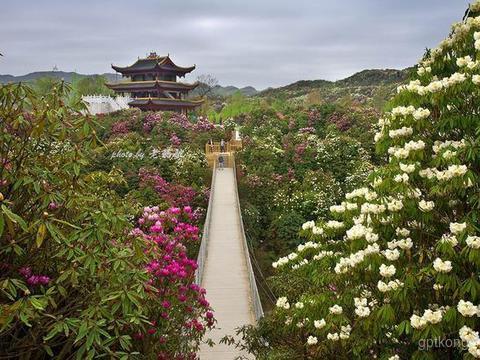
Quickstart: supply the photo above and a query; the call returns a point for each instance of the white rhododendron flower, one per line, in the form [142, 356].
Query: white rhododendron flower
[442, 266]
[467, 309]
[426, 206]
[391, 255]
[429, 316]
[282, 302]
[420, 114]
[308, 225]
[333, 337]
[467, 334]
[312, 340]
[333, 224]
[476, 79]
[473, 242]
[457, 228]
[449, 239]
[319, 323]
[402, 232]
[387, 271]
[336, 309]
[299, 305]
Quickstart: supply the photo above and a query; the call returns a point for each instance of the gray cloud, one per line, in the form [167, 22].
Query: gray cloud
[249, 42]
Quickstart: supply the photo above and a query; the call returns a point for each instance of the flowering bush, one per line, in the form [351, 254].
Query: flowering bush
[73, 284]
[184, 312]
[394, 273]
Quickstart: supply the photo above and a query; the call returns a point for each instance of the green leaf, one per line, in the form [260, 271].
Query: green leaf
[37, 303]
[2, 224]
[48, 350]
[14, 217]
[42, 231]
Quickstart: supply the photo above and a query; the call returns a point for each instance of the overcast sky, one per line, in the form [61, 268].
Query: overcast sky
[250, 42]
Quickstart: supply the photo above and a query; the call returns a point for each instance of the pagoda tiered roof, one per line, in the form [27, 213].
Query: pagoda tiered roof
[151, 85]
[154, 63]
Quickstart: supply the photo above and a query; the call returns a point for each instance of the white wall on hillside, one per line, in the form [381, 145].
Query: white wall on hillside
[102, 104]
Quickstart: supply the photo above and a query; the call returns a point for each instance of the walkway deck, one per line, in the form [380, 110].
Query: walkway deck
[225, 274]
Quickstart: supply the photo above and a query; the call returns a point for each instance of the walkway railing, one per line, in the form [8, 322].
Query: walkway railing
[202, 252]
[256, 303]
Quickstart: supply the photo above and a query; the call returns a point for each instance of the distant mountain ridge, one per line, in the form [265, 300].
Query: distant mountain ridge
[362, 85]
[374, 77]
[67, 76]
[223, 91]
[374, 86]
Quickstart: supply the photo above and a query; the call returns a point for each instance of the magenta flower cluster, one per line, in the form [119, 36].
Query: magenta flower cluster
[168, 234]
[172, 194]
[32, 279]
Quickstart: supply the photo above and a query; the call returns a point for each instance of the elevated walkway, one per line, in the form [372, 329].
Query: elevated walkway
[224, 266]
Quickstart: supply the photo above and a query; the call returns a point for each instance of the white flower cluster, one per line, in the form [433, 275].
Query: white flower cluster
[344, 206]
[472, 339]
[475, 6]
[362, 192]
[403, 244]
[476, 79]
[387, 271]
[284, 260]
[401, 178]
[354, 259]
[312, 340]
[335, 309]
[394, 357]
[426, 206]
[404, 152]
[344, 333]
[442, 266]
[402, 232]
[402, 132]
[307, 245]
[435, 86]
[370, 208]
[361, 307]
[283, 303]
[467, 62]
[322, 254]
[319, 323]
[445, 175]
[391, 255]
[457, 228]
[395, 205]
[467, 309]
[450, 239]
[440, 145]
[390, 286]
[402, 111]
[429, 316]
[473, 242]
[333, 224]
[299, 305]
[420, 114]
[358, 231]
[407, 168]
[301, 263]
[308, 225]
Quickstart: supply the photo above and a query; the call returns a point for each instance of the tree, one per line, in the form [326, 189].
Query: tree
[394, 273]
[207, 82]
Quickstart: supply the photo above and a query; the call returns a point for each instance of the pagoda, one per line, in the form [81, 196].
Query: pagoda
[152, 84]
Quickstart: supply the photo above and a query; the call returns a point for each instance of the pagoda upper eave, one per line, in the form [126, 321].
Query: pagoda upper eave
[130, 86]
[154, 64]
